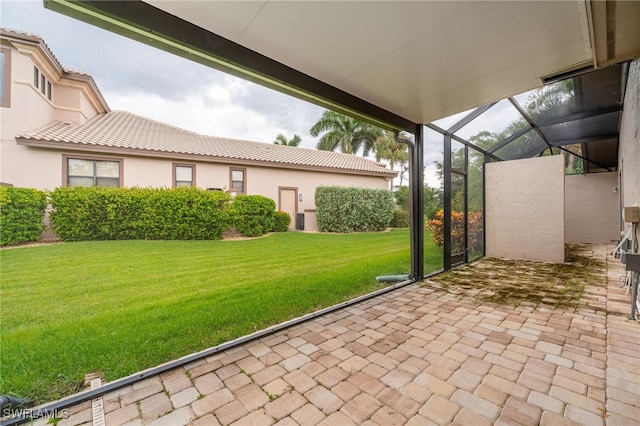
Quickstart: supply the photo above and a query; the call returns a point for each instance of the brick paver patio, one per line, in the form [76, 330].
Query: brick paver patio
[420, 355]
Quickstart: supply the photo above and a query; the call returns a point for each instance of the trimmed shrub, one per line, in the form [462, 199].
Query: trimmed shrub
[400, 219]
[281, 221]
[253, 215]
[139, 213]
[349, 209]
[22, 212]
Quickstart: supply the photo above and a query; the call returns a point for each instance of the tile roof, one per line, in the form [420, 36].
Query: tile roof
[118, 130]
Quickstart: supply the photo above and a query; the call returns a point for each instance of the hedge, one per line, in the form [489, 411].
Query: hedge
[281, 221]
[98, 213]
[349, 209]
[22, 212]
[253, 215]
[400, 219]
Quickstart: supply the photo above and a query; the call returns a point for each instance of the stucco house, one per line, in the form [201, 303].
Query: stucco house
[58, 130]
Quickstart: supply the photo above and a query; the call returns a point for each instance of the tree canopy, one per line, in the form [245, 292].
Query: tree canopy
[387, 148]
[344, 133]
[282, 140]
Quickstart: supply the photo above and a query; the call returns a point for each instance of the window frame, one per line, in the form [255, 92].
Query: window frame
[174, 174]
[67, 157]
[244, 179]
[42, 83]
[5, 101]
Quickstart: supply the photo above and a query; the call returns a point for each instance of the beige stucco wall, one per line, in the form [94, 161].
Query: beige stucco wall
[42, 169]
[265, 181]
[139, 171]
[525, 209]
[30, 109]
[629, 151]
[591, 208]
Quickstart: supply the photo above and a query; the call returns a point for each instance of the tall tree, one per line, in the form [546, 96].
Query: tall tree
[387, 148]
[344, 133]
[282, 140]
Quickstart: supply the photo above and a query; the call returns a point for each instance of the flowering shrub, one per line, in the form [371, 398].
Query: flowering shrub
[436, 225]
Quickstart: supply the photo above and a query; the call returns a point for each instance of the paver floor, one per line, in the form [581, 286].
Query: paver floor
[420, 355]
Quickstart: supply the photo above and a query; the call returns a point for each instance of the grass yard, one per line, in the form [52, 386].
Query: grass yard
[122, 306]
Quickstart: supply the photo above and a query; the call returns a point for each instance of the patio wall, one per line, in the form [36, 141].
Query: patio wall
[525, 209]
[629, 153]
[591, 208]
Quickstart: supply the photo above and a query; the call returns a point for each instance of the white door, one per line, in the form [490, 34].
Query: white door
[289, 203]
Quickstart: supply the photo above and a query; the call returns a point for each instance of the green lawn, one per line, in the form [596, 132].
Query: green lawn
[123, 306]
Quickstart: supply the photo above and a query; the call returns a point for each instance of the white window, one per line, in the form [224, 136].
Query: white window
[89, 172]
[41, 82]
[238, 180]
[5, 77]
[183, 175]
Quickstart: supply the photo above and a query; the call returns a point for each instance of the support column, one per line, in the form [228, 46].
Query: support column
[447, 203]
[417, 204]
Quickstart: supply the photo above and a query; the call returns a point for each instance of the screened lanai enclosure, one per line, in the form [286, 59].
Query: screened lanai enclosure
[577, 117]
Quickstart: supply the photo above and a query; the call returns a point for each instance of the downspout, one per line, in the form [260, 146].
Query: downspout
[412, 228]
[412, 222]
[416, 201]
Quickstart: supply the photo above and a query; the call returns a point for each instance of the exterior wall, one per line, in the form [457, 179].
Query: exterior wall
[591, 208]
[42, 169]
[30, 109]
[525, 209]
[629, 152]
[265, 181]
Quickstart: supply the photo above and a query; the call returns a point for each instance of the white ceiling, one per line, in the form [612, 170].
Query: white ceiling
[422, 60]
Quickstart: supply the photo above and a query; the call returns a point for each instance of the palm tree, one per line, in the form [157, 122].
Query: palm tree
[387, 148]
[344, 133]
[282, 140]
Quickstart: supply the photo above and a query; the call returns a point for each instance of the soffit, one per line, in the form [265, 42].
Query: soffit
[421, 60]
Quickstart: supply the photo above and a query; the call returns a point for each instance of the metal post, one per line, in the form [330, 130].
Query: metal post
[487, 159]
[466, 204]
[417, 195]
[635, 276]
[446, 229]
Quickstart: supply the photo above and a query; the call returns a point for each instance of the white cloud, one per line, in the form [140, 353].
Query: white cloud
[214, 112]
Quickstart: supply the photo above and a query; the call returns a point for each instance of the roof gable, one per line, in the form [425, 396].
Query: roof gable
[34, 46]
